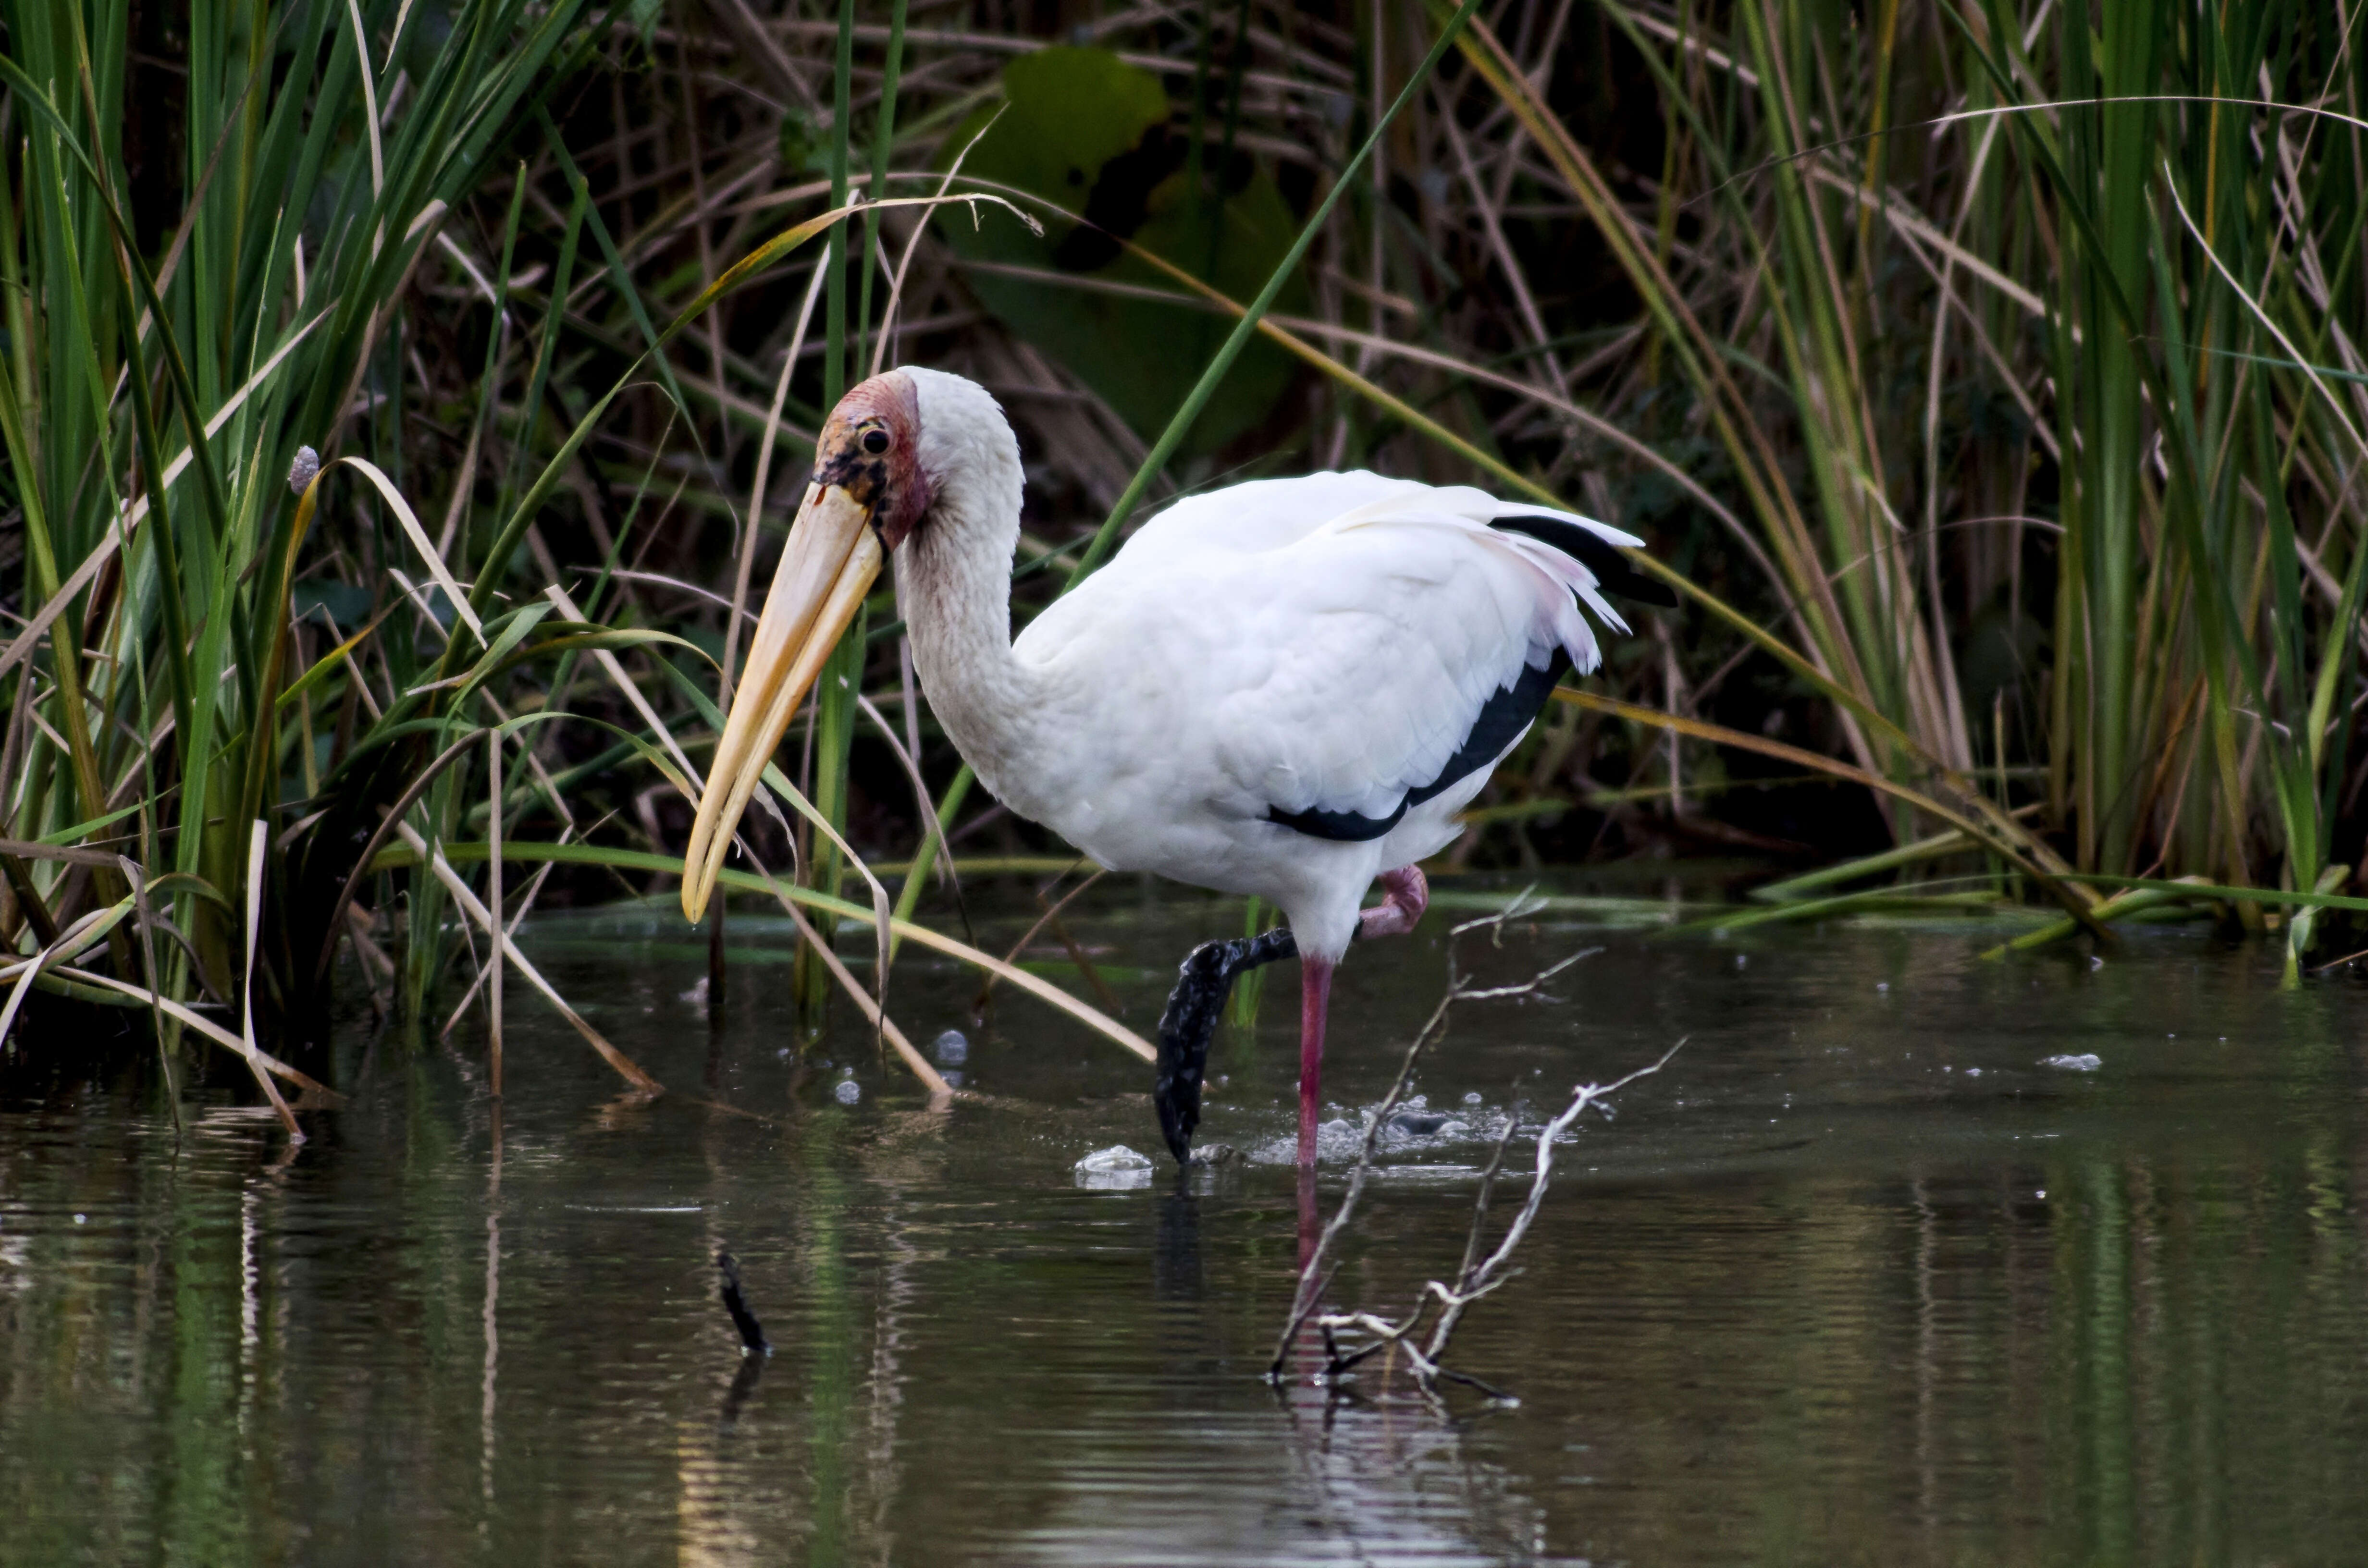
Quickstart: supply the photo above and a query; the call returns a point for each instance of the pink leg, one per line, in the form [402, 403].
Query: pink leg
[1404, 895]
[1314, 993]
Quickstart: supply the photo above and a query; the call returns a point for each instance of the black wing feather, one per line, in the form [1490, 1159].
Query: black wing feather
[1514, 706]
[1506, 714]
[1597, 555]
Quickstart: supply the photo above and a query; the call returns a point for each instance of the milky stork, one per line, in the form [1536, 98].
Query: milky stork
[1287, 688]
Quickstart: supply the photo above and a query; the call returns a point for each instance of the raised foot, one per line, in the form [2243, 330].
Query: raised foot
[1189, 1023]
[1405, 894]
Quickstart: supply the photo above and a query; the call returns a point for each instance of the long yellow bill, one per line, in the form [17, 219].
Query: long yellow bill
[827, 567]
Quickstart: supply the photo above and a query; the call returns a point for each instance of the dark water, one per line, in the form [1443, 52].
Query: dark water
[1855, 1281]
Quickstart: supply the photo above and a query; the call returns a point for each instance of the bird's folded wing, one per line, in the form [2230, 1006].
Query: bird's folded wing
[1333, 675]
[1381, 656]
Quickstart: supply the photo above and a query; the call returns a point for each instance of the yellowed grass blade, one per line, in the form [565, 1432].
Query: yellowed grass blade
[1980, 831]
[645, 860]
[510, 930]
[419, 541]
[261, 1061]
[747, 562]
[74, 940]
[1043, 990]
[258, 839]
[874, 1015]
[626, 1067]
[692, 785]
[495, 931]
[70, 591]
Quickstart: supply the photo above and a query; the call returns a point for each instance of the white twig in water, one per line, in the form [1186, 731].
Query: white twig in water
[1440, 1307]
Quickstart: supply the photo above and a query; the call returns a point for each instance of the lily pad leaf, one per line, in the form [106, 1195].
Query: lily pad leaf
[1098, 137]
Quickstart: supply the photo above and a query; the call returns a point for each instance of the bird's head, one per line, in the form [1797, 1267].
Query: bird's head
[875, 477]
[870, 451]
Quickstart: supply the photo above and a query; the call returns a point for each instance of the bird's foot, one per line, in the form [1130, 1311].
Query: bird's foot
[1190, 1022]
[1405, 894]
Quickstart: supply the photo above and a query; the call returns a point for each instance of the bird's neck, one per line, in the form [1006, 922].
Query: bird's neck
[954, 585]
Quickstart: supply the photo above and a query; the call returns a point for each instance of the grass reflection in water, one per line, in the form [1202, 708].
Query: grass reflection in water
[1854, 1279]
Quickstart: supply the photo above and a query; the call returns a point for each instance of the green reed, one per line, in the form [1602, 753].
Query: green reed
[2167, 283]
[157, 387]
[2018, 431]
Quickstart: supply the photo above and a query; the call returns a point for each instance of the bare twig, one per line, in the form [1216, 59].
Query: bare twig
[1473, 1279]
[1458, 989]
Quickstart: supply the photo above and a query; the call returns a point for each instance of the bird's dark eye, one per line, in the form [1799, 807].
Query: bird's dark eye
[876, 441]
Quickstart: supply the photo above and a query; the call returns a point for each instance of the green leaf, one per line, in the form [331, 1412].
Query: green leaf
[1097, 137]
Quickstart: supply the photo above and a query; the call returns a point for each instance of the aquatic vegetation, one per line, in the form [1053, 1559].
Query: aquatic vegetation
[398, 402]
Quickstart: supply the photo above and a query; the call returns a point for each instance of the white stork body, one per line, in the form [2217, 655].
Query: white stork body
[1284, 688]
[1317, 645]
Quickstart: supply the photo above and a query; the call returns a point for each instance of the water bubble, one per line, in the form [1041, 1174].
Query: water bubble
[1113, 1169]
[1472, 1098]
[81, 1218]
[847, 1092]
[951, 1049]
[2084, 1062]
[1339, 1139]
[1883, 986]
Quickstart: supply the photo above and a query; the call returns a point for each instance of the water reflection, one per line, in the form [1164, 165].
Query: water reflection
[743, 1383]
[493, 1295]
[1856, 1279]
[1175, 1260]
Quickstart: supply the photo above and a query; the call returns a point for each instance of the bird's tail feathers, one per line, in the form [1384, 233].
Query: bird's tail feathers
[1411, 500]
[1564, 580]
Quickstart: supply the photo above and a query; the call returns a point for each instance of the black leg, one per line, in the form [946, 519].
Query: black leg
[1191, 1022]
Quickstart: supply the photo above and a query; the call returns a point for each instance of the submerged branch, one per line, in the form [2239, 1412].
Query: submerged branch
[1441, 1306]
[1313, 1278]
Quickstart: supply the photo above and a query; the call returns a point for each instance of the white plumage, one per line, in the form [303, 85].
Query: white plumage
[1285, 688]
[1320, 643]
